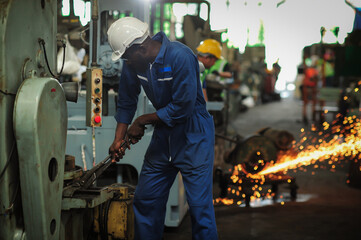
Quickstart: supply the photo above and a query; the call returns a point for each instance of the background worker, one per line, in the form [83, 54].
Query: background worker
[217, 68]
[183, 137]
[309, 88]
[217, 73]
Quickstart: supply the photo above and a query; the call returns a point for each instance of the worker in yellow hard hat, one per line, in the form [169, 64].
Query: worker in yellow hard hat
[217, 68]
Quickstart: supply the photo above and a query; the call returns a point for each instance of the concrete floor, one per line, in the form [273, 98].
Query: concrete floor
[325, 208]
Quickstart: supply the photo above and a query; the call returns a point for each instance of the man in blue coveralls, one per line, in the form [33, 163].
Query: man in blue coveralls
[183, 137]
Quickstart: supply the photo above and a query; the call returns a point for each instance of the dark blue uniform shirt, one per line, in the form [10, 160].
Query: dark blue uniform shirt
[171, 83]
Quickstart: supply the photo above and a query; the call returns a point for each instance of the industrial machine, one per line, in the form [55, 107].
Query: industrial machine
[43, 194]
[249, 156]
[31, 103]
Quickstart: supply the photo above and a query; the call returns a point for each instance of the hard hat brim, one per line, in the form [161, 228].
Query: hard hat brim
[205, 54]
[115, 56]
[139, 40]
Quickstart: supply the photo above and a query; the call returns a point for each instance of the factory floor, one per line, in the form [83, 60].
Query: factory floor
[326, 207]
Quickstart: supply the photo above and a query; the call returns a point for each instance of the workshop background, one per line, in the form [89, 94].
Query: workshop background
[279, 172]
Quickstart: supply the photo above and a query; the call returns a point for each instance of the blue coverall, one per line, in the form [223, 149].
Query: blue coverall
[183, 142]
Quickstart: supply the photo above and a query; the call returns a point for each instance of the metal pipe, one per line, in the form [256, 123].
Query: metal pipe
[95, 32]
[83, 157]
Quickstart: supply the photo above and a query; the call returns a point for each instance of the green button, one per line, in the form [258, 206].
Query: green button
[97, 90]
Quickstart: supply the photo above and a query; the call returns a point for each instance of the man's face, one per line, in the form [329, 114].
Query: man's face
[207, 61]
[135, 58]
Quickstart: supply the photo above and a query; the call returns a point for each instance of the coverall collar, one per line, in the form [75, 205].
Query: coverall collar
[161, 37]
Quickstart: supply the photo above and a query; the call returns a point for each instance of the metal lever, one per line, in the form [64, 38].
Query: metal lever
[89, 177]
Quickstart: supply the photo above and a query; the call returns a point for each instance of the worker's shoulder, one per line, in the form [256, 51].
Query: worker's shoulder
[178, 48]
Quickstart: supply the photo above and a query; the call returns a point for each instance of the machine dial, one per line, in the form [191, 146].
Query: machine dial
[110, 68]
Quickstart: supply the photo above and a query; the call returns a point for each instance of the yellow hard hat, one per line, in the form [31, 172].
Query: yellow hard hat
[210, 46]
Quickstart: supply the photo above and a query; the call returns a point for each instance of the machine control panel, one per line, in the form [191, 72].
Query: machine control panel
[94, 90]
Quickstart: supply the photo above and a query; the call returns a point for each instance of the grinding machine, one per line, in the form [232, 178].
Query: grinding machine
[247, 157]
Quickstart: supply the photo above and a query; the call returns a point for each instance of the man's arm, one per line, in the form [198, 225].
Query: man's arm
[226, 73]
[128, 92]
[136, 130]
[133, 134]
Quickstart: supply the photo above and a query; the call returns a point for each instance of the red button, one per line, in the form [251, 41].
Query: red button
[97, 119]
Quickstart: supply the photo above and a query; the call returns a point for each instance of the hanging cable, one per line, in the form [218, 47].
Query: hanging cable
[7, 93]
[42, 43]
[8, 210]
[8, 161]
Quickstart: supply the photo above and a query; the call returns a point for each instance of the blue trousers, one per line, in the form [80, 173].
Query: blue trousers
[188, 148]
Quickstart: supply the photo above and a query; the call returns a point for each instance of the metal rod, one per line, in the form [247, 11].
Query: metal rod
[226, 138]
[95, 32]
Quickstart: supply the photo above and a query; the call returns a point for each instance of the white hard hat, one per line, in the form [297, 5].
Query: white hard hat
[125, 32]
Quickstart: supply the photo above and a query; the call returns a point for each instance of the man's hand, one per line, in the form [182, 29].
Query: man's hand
[117, 149]
[136, 130]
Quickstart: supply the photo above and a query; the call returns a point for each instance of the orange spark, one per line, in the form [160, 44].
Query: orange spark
[330, 150]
